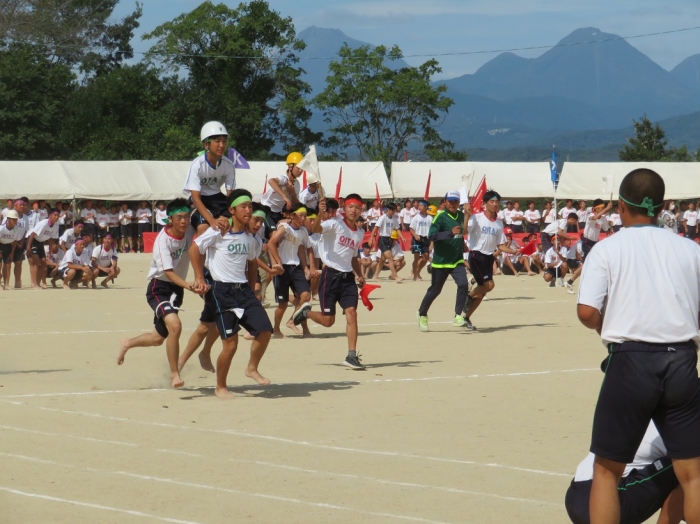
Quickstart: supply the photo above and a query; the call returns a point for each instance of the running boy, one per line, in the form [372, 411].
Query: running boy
[386, 224]
[166, 289]
[420, 246]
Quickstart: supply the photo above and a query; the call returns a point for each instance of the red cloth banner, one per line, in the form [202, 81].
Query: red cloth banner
[477, 201]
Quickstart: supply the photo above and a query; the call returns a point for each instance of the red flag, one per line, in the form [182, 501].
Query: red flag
[477, 201]
[304, 185]
[265, 186]
[339, 184]
[529, 248]
[427, 186]
[376, 187]
[364, 295]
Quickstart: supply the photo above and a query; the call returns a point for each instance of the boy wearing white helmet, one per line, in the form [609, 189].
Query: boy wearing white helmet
[208, 172]
[283, 190]
[310, 195]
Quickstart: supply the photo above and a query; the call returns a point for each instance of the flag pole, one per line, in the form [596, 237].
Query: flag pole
[556, 213]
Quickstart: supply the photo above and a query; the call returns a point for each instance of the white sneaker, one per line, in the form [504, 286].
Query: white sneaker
[570, 288]
[560, 282]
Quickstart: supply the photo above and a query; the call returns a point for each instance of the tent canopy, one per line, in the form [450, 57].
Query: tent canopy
[585, 180]
[154, 180]
[510, 179]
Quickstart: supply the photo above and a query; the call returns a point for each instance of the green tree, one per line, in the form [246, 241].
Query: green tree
[130, 113]
[242, 71]
[34, 93]
[377, 112]
[650, 145]
[77, 33]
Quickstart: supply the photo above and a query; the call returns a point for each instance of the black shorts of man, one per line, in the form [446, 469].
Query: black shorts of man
[644, 303]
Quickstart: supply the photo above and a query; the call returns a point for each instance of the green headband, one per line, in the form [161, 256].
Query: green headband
[240, 200]
[647, 204]
[259, 213]
[178, 210]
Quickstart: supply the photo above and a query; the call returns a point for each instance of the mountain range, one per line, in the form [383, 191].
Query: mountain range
[582, 93]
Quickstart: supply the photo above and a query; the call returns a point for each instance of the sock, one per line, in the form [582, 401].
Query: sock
[352, 353]
[571, 282]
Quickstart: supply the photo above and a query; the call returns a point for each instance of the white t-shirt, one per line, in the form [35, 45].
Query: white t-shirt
[32, 220]
[516, 217]
[485, 235]
[594, 227]
[68, 237]
[582, 214]
[554, 227]
[43, 213]
[71, 257]
[371, 256]
[228, 256]
[550, 257]
[614, 219]
[309, 199]
[54, 258]
[125, 217]
[208, 179]
[102, 219]
[288, 247]
[405, 215]
[112, 219]
[507, 216]
[7, 236]
[316, 239]
[647, 282]
[69, 216]
[161, 216]
[340, 244]
[691, 217]
[170, 253]
[373, 214]
[274, 201]
[576, 248]
[386, 225]
[650, 450]
[44, 230]
[88, 215]
[5, 212]
[532, 216]
[396, 250]
[565, 211]
[414, 211]
[668, 219]
[421, 225]
[102, 257]
[22, 226]
[143, 215]
[548, 216]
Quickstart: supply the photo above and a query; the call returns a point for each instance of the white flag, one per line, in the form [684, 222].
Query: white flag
[609, 184]
[310, 163]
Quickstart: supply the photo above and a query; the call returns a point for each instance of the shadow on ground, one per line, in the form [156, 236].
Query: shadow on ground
[40, 371]
[406, 364]
[274, 391]
[509, 298]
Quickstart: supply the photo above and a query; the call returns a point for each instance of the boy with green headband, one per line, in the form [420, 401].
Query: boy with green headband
[231, 260]
[640, 290]
[167, 282]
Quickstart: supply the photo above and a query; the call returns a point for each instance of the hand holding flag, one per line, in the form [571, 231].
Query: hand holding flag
[309, 164]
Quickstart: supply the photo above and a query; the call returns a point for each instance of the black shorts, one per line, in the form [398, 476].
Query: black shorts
[573, 263]
[103, 271]
[554, 271]
[144, 228]
[586, 246]
[100, 233]
[517, 229]
[216, 204]
[421, 246]
[164, 298]
[406, 227]
[38, 249]
[384, 244]
[208, 315]
[546, 240]
[115, 232]
[642, 493]
[125, 231]
[61, 230]
[481, 267]
[581, 226]
[61, 274]
[339, 288]
[231, 298]
[646, 382]
[89, 229]
[159, 227]
[293, 278]
[518, 268]
[533, 228]
[5, 250]
[616, 228]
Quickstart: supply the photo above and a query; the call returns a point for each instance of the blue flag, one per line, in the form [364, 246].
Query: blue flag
[238, 161]
[553, 167]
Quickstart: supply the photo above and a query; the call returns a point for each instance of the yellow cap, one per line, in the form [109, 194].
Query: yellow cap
[432, 210]
[294, 158]
[394, 235]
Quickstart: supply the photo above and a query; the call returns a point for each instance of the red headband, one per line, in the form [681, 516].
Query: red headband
[353, 201]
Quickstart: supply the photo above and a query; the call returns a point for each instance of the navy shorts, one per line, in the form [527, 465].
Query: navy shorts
[336, 287]
[573, 263]
[236, 305]
[125, 231]
[217, 205]
[115, 232]
[384, 244]
[38, 248]
[144, 228]
[164, 298]
[646, 382]
[586, 246]
[481, 267]
[421, 246]
[5, 250]
[293, 278]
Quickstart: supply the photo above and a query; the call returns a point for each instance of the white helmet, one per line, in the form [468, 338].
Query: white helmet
[212, 129]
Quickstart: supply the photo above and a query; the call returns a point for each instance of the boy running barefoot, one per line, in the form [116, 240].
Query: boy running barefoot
[231, 299]
[284, 251]
[341, 274]
[420, 246]
[166, 289]
[386, 224]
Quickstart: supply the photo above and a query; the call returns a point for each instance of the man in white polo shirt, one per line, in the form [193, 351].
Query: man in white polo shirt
[690, 221]
[640, 289]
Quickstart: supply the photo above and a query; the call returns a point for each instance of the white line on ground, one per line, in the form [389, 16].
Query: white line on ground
[95, 506]
[206, 487]
[87, 439]
[290, 441]
[255, 386]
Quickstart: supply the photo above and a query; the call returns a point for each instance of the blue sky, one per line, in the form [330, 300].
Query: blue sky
[444, 26]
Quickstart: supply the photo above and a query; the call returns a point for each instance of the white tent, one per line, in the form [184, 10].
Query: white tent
[510, 179]
[154, 180]
[588, 180]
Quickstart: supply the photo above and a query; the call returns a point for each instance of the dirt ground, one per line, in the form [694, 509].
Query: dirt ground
[446, 426]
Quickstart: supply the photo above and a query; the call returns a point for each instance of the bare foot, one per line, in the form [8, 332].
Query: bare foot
[176, 381]
[66, 286]
[290, 325]
[223, 393]
[248, 336]
[257, 377]
[44, 286]
[18, 285]
[53, 283]
[277, 334]
[123, 348]
[307, 335]
[205, 362]
[398, 280]
[36, 287]
[104, 284]
[6, 288]
[532, 274]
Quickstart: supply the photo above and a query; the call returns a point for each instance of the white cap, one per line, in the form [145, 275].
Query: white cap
[453, 195]
[12, 214]
[212, 129]
[311, 179]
